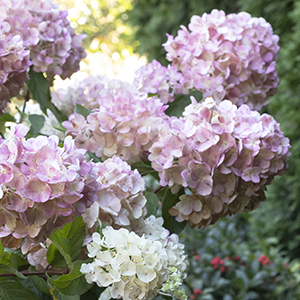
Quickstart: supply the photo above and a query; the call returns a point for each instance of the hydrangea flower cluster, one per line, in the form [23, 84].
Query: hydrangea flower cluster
[157, 79]
[59, 49]
[228, 57]
[43, 186]
[120, 200]
[124, 124]
[152, 228]
[86, 92]
[129, 265]
[224, 155]
[35, 33]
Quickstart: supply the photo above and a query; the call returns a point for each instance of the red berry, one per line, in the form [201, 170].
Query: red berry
[196, 257]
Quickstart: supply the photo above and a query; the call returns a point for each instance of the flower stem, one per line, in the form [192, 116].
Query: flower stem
[38, 273]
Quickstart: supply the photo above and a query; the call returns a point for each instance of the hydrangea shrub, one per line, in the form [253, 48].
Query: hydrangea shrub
[96, 211]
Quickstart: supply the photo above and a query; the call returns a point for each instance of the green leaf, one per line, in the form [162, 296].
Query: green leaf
[59, 127]
[215, 278]
[239, 282]
[54, 258]
[63, 245]
[82, 110]
[7, 118]
[4, 268]
[144, 168]
[68, 241]
[73, 283]
[58, 296]
[40, 284]
[93, 157]
[255, 266]
[37, 123]
[13, 259]
[252, 296]
[39, 88]
[151, 204]
[168, 201]
[93, 293]
[227, 297]
[242, 275]
[1, 249]
[14, 290]
[177, 107]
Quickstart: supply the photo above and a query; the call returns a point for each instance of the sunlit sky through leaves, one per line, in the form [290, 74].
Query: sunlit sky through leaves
[108, 45]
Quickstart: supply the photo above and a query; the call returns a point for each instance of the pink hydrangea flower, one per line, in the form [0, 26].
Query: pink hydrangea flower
[120, 200]
[124, 122]
[224, 155]
[35, 33]
[227, 57]
[154, 78]
[43, 186]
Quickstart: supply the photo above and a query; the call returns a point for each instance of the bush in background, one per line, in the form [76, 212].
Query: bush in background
[229, 265]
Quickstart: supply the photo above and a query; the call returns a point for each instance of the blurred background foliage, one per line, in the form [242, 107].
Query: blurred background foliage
[119, 28]
[104, 24]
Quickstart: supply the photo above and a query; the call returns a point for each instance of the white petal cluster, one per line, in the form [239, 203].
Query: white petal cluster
[129, 265]
[152, 228]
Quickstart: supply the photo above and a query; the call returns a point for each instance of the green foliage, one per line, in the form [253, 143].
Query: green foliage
[82, 110]
[103, 21]
[152, 203]
[144, 168]
[37, 123]
[177, 107]
[71, 284]
[13, 289]
[39, 88]
[226, 265]
[6, 118]
[68, 242]
[40, 284]
[168, 200]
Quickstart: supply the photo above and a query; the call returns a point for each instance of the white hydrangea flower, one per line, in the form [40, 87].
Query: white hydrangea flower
[152, 228]
[133, 266]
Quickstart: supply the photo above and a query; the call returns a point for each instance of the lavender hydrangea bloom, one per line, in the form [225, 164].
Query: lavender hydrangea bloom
[123, 122]
[120, 200]
[43, 186]
[228, 57]
[35, 33]
[223, 154]
[157, 79]
[59, 50]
